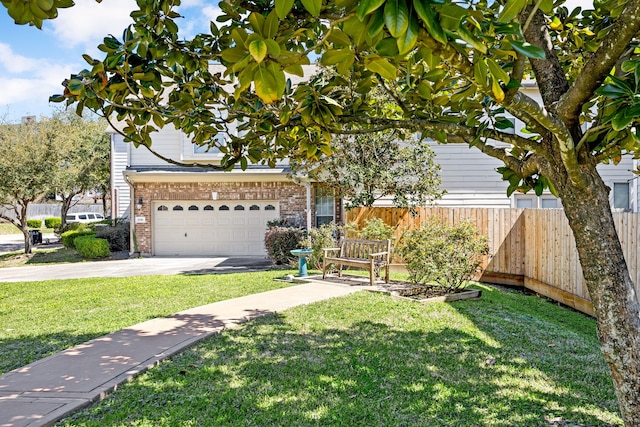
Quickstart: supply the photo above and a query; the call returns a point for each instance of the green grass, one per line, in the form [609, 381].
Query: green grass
[7, 228]
[41, 318]
[372, 360]
[41, 256]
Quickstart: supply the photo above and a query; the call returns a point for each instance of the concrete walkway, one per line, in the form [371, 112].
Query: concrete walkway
[50, 389]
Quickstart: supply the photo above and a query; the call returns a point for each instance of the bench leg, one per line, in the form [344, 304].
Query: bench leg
[371, 272]
[339, 270]
[386, 274]
[324, 269]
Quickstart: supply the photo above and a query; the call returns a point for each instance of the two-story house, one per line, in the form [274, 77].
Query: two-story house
[189, 211]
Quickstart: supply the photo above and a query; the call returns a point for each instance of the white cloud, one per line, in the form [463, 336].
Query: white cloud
[85, 24]
[15, 63]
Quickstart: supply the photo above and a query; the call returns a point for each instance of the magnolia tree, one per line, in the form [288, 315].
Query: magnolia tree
[452, 71]
[367, 167]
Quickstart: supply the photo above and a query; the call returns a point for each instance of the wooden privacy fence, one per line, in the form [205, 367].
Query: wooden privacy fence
[533, 248]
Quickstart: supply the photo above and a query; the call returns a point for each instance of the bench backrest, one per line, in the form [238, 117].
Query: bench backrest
[354, 248]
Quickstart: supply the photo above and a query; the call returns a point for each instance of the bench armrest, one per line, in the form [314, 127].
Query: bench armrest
[325, 250]
[378, 254]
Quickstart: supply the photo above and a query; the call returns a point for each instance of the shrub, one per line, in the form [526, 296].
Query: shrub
[280, 241]
[53, 222]
[441, 253]
[90, 247]
[35, 224]
[374, 229]
[118, 235]
[318, 238]
[68, 237]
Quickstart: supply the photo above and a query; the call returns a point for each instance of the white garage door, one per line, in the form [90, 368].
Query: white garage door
[211, 228]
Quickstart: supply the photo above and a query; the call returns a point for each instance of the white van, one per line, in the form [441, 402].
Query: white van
[84, 217]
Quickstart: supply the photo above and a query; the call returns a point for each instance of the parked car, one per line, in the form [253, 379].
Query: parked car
[84, 217]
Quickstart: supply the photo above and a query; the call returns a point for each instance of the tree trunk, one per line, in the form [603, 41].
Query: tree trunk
[27, 240]
[610, 286]
[64, 209]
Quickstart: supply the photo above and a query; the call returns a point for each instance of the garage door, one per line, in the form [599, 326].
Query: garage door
[211, 228]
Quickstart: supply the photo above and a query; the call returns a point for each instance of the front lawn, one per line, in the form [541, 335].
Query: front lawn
[372, 360]
[41, 318]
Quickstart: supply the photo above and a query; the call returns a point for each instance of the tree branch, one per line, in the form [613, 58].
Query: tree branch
[601, 62]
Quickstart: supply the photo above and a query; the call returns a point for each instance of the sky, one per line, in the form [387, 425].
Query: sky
[33, 63]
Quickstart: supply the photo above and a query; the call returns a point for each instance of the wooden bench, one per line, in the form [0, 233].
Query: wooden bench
[372, 255]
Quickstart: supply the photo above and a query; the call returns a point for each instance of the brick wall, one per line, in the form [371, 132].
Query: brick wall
[292, 199]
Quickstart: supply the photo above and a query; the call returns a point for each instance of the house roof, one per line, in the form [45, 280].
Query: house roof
[170, 173]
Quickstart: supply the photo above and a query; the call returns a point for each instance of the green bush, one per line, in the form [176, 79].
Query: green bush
[53, 222]
[279, 241]
[90, 247]
[324, 236]
[68, 237]
[34, 224]
[117, 235]
[374, 229]
[441, 253]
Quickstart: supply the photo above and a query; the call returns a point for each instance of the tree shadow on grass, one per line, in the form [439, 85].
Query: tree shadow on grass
[284, 370]
[20, 351]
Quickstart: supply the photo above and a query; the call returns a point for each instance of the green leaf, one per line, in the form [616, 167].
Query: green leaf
[233, 54]
[621, 121]
[257, 22]
[258, 50]
[430, 19]
[451, 15]
[546, 6]
[339, 38]
[471, 39]
[387, 47]
[333, 57]
[376, 23]
[480, 72]
[271, 24]
[528, 49]
[266, 85]
[313, 7]
[410, 37]
[511, 10]
[383, 67]
[365, 7]
[497, 72]
[396, 17]
[283, 7]
[273, 47]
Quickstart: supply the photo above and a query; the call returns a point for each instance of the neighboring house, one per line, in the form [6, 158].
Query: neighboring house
[471, 180]
[189, 211]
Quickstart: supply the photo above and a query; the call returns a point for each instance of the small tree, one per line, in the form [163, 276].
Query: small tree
[83, 159]
[28, 156]
[442, 253]
[366, 168]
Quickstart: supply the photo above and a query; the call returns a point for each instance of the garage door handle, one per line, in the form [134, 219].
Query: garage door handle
[185, 234]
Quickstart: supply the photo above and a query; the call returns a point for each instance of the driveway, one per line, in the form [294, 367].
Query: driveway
[15, 242]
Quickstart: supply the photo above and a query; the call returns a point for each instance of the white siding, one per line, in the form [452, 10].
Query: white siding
[166, 142]
[120, 191]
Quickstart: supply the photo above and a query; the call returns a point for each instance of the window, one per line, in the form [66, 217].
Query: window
[269, 208]
[193, 208]
[163, 208]
[208, 208]
[526, 201]
[254, 208]
[325, 206]
[549, 203]
[224, 208]
[621, 195]
[178, 208]
[238, 208]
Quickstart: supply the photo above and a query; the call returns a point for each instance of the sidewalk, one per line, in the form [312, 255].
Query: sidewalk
[50, 389]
